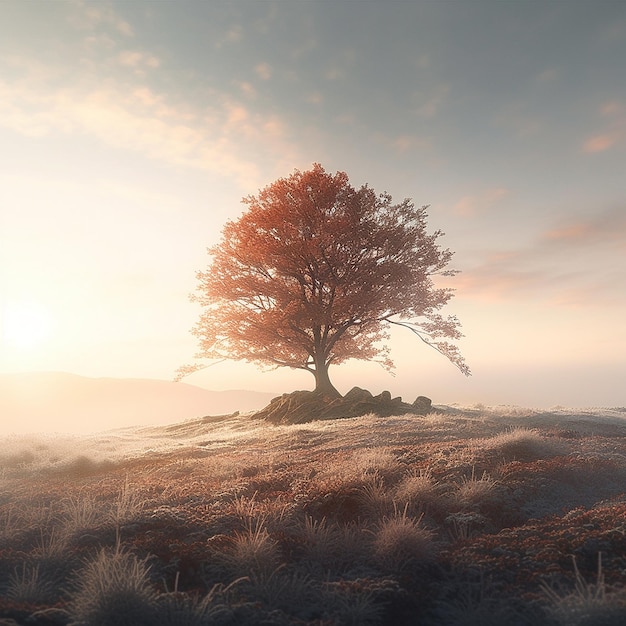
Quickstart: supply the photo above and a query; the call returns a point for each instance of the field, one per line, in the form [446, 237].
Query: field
[465, 516]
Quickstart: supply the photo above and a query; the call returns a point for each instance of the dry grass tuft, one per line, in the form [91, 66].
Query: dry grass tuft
[128, 506]
[401, 540]
[472, 491]
[27, 585]
[114, 589]
[588, 604]
[252, 551]
[418, 491]
[521, 444]
[358, 521]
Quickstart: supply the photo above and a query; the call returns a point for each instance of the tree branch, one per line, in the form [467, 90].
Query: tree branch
[455, 359]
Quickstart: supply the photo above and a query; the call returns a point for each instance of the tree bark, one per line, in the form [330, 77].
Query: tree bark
[322, 380]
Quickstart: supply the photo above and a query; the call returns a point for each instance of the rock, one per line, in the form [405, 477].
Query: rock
[422, 403]
[356, 394]
[306, 406]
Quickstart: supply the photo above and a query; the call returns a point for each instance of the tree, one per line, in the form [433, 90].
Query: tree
[315, 272]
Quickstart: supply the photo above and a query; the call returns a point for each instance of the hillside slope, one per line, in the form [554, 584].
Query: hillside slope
[482, 516]
[54, 401]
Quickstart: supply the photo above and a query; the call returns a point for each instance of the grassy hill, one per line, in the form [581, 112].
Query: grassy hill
[482, 516]
[56, 401]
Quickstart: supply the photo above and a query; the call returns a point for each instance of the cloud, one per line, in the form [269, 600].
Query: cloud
[264, 71]
[334, 73]
[601, 143]
[522, 278]
[611, 108]
[233, 35]
[515, 117]
[247, 89]
[137, 59]
[341, 65]
[406, 143]
[314, 97]
[90, 16]
[428, 103]
[577, 262]
[224, 137]
[401, 144]
[602, 229]
[495, 280]
[480, 202]
[612, 112]
[422, 62]
[548, 75]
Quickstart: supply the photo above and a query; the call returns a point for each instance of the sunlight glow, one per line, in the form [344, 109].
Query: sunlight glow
[24, 325]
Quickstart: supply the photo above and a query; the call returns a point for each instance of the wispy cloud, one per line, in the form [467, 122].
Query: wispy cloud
[90, 16]
[614, 134]
[481, 201]
[138, 60]
[247, 89]
[341, 65]
[263, 71]
[407, 143]
[428, 103]
[515, 117]
[314, 97]
[225, 137]
[231, 36]
[601, 143]
[549, 75]
[566, 265]
[604, 228]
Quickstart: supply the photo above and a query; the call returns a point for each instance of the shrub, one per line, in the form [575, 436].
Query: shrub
[10, 524]
[375, 460]
[589, 604]
[321, 541]
[290, 591]
[521, 444]
[114, 590]
[252, 551]
[80, 513]
[401, 540]
[375, 498]
[475, 602]
[29, 586]
[53, 544]
[471, 491]
[127, 506]
[355, 608]
[180, 609]
[418, 491]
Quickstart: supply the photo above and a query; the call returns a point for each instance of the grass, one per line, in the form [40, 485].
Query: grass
[114, 589]
[588, 603]
[401, 541]
[464, 516]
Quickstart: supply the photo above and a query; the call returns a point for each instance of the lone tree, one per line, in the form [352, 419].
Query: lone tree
[315, 272]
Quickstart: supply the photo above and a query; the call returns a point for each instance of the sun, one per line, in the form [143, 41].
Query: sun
[24, 325]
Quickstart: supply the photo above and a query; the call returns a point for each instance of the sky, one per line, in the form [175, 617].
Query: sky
[130, 132]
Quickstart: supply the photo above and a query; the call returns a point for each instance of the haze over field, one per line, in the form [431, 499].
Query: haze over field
[56, 402]
[131, 130]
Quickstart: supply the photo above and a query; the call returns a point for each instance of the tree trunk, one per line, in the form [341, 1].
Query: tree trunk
[322, 380]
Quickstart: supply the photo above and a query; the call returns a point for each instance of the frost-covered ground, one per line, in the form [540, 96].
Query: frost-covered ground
[469, 515]
[50, 450]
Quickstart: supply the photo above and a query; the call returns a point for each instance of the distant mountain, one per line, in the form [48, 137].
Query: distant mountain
[53, 401]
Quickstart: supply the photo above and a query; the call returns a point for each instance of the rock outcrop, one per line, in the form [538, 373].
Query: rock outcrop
[306, 406]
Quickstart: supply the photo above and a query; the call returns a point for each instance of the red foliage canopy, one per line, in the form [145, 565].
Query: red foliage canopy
[313, 274]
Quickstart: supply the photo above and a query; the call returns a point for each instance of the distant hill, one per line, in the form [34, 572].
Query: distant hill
[53, 401]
